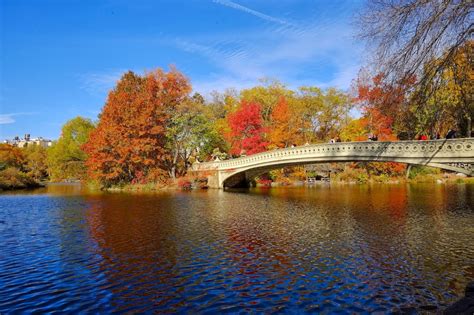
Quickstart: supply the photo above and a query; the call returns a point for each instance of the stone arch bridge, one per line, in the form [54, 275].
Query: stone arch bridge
[454, 154]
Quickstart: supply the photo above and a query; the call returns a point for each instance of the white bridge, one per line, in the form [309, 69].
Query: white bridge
[454, 154]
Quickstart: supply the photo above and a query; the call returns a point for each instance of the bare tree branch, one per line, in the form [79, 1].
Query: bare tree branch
[406, 35]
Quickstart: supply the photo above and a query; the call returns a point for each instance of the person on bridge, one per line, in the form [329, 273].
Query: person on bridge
[373, 137]
[451, 134]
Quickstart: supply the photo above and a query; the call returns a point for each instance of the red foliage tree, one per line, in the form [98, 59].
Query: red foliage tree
[128, 143]
[246, 129]
[388, 101]
[383, 106]
[379, 124]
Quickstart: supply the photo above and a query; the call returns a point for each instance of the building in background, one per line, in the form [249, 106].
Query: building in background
[27, 141]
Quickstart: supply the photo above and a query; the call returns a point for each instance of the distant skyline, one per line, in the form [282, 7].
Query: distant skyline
[58, 59]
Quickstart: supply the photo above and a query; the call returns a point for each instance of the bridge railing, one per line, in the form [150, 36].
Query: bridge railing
[418, 148]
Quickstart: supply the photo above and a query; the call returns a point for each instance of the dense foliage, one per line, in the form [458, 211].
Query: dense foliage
[66, 157]
[129, 143]
[21, 168]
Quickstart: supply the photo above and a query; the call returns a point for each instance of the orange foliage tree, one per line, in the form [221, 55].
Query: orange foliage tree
[355, 130]
[128, 145]
[283, 131]
[246, 130]
[11, 156]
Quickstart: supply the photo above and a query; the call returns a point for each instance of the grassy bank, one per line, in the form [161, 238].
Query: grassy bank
[350, 176]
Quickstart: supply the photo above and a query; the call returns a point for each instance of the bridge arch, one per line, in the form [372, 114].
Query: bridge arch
[242, 178]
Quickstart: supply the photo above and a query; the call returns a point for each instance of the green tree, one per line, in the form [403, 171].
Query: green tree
[66, 157]
[322, 112]
[190, 134]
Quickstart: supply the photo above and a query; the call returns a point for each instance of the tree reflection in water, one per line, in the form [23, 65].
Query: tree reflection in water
[325, 248]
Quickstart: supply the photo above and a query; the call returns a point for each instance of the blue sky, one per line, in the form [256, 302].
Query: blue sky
[59, 58]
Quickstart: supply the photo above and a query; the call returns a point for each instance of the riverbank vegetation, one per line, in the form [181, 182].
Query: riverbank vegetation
[153, 127]
[21, 168]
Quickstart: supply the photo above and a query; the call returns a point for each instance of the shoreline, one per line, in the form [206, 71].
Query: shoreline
[441, 179]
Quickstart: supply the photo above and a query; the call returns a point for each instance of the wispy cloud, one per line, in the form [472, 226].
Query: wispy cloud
[343, 77]
[297, 55]
[6, 119]
[256, 13]
[100, 82]
[10, 118]
[216, 82]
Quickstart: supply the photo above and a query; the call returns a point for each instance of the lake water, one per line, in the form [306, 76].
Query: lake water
[318, 249]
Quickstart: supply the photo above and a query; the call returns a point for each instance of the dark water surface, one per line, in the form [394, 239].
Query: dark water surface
[293, 250]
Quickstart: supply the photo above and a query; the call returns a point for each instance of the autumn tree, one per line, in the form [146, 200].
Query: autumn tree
[36, 157]
[308, 105]
[283, 131]
[334, 113]
[11, 156]
[354, 130]
[449, 102]
[322, 113]
[129, 143]
[13, 171]
[376, 123]
[246, 130]
[267, 95]
[218, 109]
[66, 158]
[384, 105]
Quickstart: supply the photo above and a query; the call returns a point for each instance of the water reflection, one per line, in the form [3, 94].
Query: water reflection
[357, 248]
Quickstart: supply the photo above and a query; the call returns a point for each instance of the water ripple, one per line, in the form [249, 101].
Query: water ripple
[331, 250]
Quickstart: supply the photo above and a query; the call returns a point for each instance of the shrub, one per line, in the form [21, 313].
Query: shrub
[264, 182]
[12, 178]
[351, 174]
[419, 171]
[184, 184]
[201, 183]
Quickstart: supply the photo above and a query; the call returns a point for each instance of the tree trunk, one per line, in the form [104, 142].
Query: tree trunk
[173, 165]
[173, 172]
[408, 171]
